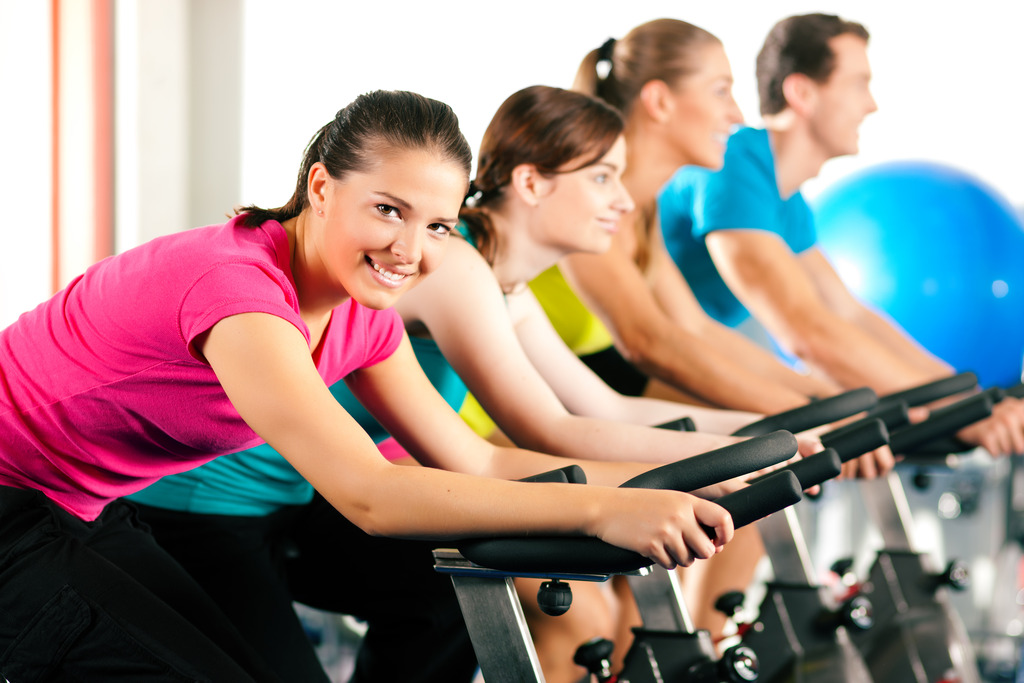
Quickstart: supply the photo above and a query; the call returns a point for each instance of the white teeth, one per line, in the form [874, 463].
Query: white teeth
[387, 273]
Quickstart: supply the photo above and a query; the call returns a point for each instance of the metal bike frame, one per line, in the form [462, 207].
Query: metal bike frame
[918, 637]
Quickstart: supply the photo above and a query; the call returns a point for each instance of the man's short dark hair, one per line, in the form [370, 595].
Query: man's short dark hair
[799, 45]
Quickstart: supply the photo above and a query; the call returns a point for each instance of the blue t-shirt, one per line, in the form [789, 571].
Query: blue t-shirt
[743, 194]
[258, 481]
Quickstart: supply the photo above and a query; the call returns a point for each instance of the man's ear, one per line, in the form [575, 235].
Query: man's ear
[529, 184]
[656, 101]
[801, 93]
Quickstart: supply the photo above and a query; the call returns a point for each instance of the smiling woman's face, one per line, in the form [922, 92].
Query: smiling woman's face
[386, 228]
[584, 207]
[705, 110]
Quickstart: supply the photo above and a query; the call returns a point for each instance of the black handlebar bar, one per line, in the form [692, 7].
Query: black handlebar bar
[813, 414]
[681, 424]
[941, 422]
[894, 415]
[812, 470]
[720, 464]
[589, 555]
[932, 391]
[856, 438]
[571, 474]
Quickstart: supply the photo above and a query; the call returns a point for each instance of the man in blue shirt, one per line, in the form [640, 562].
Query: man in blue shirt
[744, 236]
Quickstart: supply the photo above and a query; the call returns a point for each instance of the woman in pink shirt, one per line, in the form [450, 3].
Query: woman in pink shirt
[213, 340]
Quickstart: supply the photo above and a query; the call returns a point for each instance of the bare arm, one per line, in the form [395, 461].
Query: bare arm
[677, 299]
[837, 297]
[585, 393]
[1002, 433]
[612, 286]
[804, 304]
[526, 378]
[264, 365]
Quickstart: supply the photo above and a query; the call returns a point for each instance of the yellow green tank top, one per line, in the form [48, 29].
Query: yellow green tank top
[581, 330]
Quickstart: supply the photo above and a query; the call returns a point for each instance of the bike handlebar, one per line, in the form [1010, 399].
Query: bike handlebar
[812, 470]
[942, 422]
[813, 414]
[720, 464]
[589, 555]
[932, 391]
[857, 438]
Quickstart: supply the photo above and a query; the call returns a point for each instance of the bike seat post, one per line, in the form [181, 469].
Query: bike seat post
[660, 602]
[886, 502]
[494, 616]
[659, 599]
[786, 547]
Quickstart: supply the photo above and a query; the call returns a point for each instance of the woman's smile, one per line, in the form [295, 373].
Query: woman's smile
[386, 276]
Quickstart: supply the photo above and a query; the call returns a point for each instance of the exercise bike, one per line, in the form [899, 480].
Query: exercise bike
[918, 636]
[898, 619]
[801, 633]
[482, 572]
[662, 588]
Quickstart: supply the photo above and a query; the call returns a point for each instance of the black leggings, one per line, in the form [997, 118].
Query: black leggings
[255, 567]
[100, 601]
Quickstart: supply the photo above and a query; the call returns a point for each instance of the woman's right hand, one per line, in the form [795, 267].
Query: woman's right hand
[667, 527]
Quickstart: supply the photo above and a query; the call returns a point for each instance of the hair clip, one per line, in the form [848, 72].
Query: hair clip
[473, 197]
[604, 58]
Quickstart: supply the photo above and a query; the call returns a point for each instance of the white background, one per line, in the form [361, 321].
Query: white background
[947, 79]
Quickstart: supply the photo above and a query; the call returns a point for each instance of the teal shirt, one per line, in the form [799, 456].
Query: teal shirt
[743, 194]
[258, 481]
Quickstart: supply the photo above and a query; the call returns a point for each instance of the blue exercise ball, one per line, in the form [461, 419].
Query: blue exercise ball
[938, 251]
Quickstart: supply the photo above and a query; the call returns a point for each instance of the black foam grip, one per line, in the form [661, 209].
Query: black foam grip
[856, 439]
[813, 414]
[720, 464]
[682, 424]
[894, 415]
[812, 470]
[997, 394]
[1016, 391]
[936, 451]
[774, 492]
[942, 422]
[933, 391]
[551, 555]
[552, 477]
[588, 555]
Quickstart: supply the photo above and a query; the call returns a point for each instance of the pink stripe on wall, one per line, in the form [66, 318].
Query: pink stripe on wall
[55, 146]
[103, 134]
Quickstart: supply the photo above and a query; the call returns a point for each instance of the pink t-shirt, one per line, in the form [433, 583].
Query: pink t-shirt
[100, 392]
[392, 450]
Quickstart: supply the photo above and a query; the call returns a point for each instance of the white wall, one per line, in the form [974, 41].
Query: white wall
[25, 65]
[179, 98]
[946, 77]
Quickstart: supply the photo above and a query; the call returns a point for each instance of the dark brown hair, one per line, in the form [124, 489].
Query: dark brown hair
[799, 45]
[372, 123]
[543, 126]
